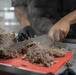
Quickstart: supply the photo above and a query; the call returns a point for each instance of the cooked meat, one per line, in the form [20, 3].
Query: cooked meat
[58, 52]
[6, 39]
[33, 51]
[8, 54]
[1, 31]
[37, 53]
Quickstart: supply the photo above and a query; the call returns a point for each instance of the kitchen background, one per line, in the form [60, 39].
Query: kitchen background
[8, 20]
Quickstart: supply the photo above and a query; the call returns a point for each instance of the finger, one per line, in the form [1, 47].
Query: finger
[61, 35]
[30, 33]
[51, 36]
[25, 36]
[67, 31]
[20, 37]
[57, 35]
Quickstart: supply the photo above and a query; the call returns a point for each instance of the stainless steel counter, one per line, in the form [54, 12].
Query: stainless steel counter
[72, 48]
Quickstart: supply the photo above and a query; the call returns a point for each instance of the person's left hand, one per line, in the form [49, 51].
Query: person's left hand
[59, 30]
[25, 33]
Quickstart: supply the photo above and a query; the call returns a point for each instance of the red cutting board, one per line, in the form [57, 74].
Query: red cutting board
[18, 62]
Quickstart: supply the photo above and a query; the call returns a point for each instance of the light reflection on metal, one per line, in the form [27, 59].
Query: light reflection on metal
[6, 9]
[11, 8]
[11, 24]
[7, 23]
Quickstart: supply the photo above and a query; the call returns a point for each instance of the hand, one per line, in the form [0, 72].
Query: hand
[25, 33]
[59, 30]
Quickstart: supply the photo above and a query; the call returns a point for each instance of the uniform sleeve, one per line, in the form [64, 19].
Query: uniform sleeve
[16, 3]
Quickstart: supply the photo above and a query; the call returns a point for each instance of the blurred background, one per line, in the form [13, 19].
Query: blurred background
[8, 20]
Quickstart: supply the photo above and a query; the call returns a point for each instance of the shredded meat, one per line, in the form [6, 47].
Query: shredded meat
[33, 51]
[6, 39]
[39, 54]
[8, 54]
[1, 31]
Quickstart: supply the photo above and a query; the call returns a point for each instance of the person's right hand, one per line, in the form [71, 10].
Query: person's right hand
[59, 30]
[25, 33]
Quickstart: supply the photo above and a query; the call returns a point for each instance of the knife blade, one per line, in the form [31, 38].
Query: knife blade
[44, 40]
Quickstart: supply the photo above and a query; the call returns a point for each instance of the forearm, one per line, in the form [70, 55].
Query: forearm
[71, 17]
[22, 16]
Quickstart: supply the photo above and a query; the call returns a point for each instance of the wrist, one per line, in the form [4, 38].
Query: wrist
[70, 18]
[68, 21]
